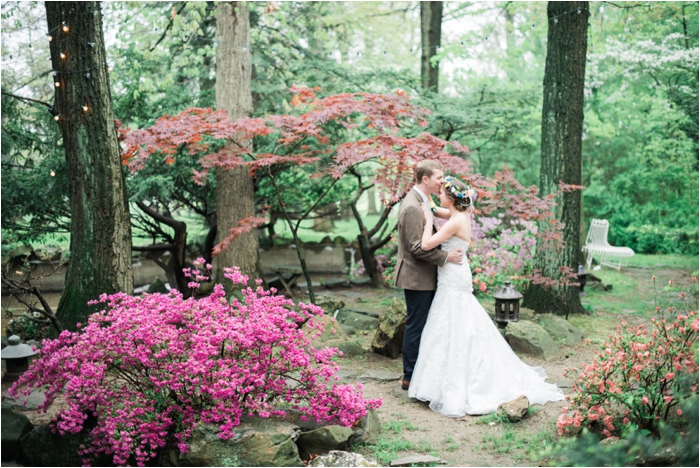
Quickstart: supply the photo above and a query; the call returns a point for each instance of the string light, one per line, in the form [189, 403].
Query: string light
[52, 173]
[91, 44]
[57, 117]
[65, 27]
[62, 55]
[50, 37]
[57, 84]
[85, 108]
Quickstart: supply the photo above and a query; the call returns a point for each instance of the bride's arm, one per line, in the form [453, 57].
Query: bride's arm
[443, 213]
[429, 240]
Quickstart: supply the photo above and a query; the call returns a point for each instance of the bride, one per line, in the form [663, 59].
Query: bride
[464, 365]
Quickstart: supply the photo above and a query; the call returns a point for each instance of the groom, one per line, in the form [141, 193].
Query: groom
[416, 269]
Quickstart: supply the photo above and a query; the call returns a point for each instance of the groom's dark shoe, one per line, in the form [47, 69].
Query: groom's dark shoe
[405, 384]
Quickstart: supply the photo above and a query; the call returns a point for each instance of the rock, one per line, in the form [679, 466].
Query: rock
[41, 447]
[333, 336]
[157, 287]
[256, 442]
[14, 426]
[529, 338]
[380, 375]
[415, 459]
[515, 410]
[354, 319]
[336, 283]
[322, 440]
[388, 340]
[330, 305]
[361, 281]
[368, 430]
[560, 330]
[340, 458]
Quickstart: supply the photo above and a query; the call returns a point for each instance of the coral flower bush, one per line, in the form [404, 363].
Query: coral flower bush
[148, 369]
[638, 380]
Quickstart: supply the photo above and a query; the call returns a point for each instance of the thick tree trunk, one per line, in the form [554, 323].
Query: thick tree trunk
[100, 243]
[234, 187]
[562, 126]
[431, 26]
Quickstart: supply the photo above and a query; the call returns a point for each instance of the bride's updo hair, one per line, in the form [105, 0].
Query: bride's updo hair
[462, 195]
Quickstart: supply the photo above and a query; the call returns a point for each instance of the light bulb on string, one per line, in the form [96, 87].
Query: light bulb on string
[57, 84]
[91, 44]
[65, 27]
[63, 56]
[31, 46]
[57, 117]
[85, 108]
[52, 174]
[50, 37]
[12, 59]
[556, 20]
[87, 75]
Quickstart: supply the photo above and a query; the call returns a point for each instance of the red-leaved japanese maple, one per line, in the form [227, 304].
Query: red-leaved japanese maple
[335, 135]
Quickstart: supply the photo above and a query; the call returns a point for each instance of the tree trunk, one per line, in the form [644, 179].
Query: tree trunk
[372, 200]
[562, 126]
[234, 187]
[100, 244]
[430, 25]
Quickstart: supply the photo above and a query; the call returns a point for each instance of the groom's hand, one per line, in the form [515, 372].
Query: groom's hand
[455, 256]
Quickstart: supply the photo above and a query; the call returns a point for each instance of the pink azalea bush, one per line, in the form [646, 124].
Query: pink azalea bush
[149, 368]
[637, 380]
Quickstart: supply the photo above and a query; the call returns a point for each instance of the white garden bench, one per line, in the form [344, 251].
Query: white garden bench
[597, 246]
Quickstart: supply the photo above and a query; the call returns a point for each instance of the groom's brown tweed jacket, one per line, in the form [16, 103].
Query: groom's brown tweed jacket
[416, 269]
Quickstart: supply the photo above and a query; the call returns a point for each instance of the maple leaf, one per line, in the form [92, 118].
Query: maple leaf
[244, 225]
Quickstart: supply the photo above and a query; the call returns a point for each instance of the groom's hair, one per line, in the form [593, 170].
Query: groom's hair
[425, 168]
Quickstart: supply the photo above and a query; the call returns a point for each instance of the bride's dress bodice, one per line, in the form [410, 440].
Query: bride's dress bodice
[452, 276]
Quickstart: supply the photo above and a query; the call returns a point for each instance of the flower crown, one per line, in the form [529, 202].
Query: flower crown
[467, 195]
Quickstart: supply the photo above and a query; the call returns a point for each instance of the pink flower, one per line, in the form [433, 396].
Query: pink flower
[670, 376]
[645, 400]
[482, 286]
[679, 412]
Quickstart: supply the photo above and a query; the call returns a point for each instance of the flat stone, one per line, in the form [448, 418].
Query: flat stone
[346, 375]
[336, 283]
[406, 461]
[26, 402]
[381, 375]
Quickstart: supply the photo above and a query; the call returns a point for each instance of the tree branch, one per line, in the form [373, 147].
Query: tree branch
[27, 99]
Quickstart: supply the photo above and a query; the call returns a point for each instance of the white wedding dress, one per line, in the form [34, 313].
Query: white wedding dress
[464, 365]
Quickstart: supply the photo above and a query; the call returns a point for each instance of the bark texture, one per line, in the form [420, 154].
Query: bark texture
[431, 32]
[234, 187]
[100, 244]
[562, 126]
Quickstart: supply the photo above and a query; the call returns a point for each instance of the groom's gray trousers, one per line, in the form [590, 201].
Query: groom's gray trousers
[417, 308]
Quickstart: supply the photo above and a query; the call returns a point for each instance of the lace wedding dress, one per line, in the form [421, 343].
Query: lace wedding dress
[464, 364]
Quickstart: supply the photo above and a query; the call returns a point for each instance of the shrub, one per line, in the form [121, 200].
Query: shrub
[638, 380]
[146, 369]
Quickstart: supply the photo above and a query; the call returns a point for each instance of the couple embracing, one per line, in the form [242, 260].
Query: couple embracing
[453, 355]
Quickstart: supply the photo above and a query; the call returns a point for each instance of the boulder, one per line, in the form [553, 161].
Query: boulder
[340, 458]
[322, 440]
[388, 340]
[256, 442]
[332, 337]
[560, 330]
[14, 426]
[351, 320]
[529, 338]
[367, 431]
[41, 447]
[515, 410]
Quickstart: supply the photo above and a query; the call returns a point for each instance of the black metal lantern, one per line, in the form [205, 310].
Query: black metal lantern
[507, 305]
[16, 355]
[582, 275]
